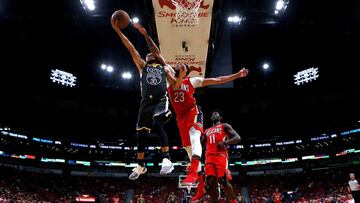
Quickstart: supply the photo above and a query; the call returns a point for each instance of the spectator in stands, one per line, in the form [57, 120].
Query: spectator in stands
[277, 197]
[172, 198]
[240, 198]
[140, 199]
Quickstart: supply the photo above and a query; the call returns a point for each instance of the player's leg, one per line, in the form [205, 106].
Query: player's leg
[195, 138]
[200, 189]
[194, 127]
[228, 189]
[203, 187]
[143, 128]
[184, 134]
[162, 115]
[211, 187]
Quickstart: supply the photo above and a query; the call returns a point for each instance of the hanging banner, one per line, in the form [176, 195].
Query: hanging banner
[181, 41]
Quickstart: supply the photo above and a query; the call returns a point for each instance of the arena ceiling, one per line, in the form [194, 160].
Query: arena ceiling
[37, 36]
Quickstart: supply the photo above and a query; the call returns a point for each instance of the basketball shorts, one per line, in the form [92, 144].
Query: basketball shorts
[151, 108]
[216, 165]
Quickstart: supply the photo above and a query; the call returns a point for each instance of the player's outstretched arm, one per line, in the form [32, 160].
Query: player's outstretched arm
[170, 75]
[234, 137]
[139, 62]
[226, 78]
[151, 44]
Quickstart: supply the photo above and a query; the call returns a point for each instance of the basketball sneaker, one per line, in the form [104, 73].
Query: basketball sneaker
[191, 177]
[201, 192]
[136, 172]
[166, 166]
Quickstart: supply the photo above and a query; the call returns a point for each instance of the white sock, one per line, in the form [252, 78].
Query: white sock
[196, 147]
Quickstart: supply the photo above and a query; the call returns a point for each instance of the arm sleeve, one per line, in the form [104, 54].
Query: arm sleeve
[196, 81]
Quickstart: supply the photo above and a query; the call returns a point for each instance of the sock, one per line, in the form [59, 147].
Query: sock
[166, 155]
[194, 164]
[141, 162]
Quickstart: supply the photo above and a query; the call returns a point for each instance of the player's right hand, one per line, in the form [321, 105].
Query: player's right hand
[139, 27]
[243, 72]
[222, 145]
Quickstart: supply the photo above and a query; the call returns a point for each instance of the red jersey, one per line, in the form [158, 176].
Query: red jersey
[214, 135]
[183, 100]
[277, 197]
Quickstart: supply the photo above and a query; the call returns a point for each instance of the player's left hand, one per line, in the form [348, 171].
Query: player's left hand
[243, 72]
[222, 145]
[139, 27]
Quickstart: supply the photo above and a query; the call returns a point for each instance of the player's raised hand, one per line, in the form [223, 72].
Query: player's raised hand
[139, 27]
[243, 72]
[113, 24]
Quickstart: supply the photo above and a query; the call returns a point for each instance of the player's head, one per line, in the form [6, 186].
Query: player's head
[177, 69]
[150, 58]
[352, 176]
[216, 115]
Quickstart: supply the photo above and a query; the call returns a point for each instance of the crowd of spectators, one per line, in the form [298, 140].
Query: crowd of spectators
[313, 187]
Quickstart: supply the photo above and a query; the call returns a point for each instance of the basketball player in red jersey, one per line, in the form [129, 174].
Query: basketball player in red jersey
[276, 196]
[217, 138]
[188, 114]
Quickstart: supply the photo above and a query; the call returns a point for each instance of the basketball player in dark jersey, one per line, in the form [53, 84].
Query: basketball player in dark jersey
[153, 111]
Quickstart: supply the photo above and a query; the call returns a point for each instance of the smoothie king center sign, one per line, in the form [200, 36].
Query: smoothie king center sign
[182, 41]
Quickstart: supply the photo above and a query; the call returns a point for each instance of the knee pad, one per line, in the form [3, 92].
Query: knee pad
[195, 142]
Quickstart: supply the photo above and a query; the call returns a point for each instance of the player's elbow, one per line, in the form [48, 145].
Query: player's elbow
[238, 139]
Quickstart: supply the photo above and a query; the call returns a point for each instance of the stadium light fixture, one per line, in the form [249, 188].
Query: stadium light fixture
[234, 19]
[135, 20]
[126, 75]
[88, 4]
[280, 5]
[62, 77]
[306, 76]
[266, 66]
[109, 69]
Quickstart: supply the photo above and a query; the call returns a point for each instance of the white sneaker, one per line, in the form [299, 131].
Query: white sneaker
[166, 166]
[137, 171]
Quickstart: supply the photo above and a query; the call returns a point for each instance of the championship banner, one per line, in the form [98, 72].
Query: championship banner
[182, 41]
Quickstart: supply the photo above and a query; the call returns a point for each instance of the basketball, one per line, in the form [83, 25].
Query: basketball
[121, 18]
